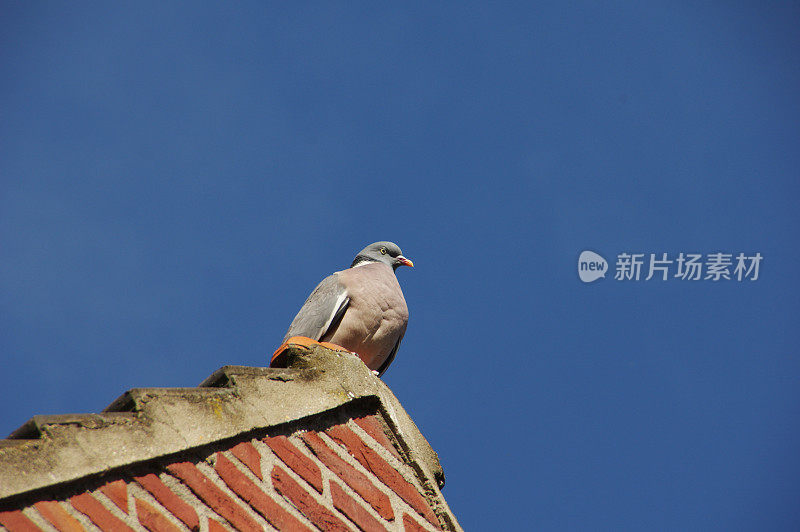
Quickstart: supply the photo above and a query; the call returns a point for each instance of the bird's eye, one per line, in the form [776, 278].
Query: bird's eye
[383, 251]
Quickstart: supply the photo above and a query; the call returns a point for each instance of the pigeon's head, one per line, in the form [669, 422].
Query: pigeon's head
[386, 252]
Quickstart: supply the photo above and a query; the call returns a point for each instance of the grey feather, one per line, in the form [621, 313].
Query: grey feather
[385, 365]
[322, 311]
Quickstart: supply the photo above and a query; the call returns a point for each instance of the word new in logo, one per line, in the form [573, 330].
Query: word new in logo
[591, 266]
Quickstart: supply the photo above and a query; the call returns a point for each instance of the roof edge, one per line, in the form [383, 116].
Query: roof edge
[148, 423]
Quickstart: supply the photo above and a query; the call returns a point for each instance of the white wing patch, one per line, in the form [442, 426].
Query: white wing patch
[339, 302]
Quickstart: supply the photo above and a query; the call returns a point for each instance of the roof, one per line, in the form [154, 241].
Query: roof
[235, 404]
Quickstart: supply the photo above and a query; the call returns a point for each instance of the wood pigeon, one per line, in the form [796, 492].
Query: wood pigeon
[361, 309]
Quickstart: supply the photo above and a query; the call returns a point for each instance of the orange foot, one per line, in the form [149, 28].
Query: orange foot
[279, 356]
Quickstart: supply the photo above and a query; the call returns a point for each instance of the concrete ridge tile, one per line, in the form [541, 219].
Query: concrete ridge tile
[144, 424]
[36, 426]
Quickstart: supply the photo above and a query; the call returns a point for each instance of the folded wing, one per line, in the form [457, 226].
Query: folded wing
[322, 311]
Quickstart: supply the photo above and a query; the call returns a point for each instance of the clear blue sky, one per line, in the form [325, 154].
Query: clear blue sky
[176, 178]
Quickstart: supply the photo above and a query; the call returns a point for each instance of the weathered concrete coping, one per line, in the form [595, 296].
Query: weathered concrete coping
[146, 423]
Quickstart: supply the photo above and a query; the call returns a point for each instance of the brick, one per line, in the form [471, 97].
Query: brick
[296, 460]
[169, 500]
[305, 502]
[387, 474]
[16, 521]
[256, 497]
[97, 513]
[249, 456]
[58, 516]
[412, 525]
[117, 491]
[354, 478]
[216, 526]
[152, 519]
[205, 489]
[372, 426]
[353, 510]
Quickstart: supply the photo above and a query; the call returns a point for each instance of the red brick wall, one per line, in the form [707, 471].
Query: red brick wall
[346, 477]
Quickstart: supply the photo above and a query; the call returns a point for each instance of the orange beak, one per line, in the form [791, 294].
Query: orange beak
[404, 261]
